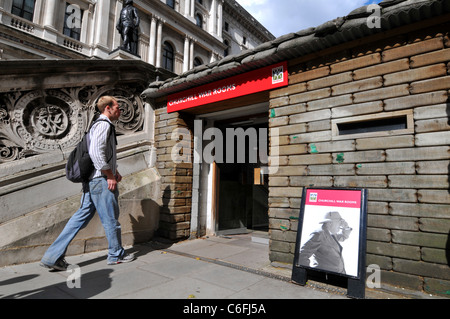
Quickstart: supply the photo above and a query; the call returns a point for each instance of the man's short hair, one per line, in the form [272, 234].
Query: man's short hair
[105, 101]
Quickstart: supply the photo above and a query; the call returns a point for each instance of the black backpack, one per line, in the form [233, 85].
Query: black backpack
[79, 166]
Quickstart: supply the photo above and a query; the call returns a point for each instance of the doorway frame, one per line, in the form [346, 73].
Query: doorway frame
[204, 210]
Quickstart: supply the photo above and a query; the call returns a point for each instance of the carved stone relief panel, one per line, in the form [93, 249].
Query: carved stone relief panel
[131, 106]
[40, 121]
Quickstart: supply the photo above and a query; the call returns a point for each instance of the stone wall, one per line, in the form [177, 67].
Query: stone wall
[27, 238]
[406, 171]
[44, 112]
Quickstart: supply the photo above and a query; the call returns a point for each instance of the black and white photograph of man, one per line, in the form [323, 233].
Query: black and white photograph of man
[329, 240]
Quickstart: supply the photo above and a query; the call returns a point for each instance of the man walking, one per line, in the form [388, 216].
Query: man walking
[99, 194]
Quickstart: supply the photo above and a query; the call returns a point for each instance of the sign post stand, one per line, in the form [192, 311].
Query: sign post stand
[331, 236]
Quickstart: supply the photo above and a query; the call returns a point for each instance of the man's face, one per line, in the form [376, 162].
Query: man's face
[334, 226]
[114, 111]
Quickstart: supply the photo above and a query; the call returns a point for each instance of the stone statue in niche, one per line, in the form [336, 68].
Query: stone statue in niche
[128, 27]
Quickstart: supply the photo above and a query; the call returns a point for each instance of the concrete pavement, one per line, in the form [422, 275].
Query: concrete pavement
[232, 267]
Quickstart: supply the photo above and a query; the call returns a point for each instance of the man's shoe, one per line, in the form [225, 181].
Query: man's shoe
[60, 265]
[125, 259]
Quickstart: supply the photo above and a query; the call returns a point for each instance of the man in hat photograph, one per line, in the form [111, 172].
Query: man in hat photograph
[322, 250]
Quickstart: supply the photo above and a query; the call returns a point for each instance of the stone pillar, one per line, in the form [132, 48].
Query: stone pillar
[117, 38]
[49, 14]
[213, 17]
[50, 32]
[84, 26]
[220, 18]
[186, 54]
[152, 44]
[101, 24]
[187, 8]
[176, 178]
[159, 44]
[192, 8]
[191, 55]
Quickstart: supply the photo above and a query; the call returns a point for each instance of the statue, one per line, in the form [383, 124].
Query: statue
[128, 27]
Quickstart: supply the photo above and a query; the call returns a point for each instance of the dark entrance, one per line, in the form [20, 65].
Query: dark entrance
[242, 190]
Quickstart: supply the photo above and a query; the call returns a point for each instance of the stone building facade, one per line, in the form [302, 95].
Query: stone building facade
[45, 109]
[366, 105]
[364, 102]
[175, 35]
[57, 58]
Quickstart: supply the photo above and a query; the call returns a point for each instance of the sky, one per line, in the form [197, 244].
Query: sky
[281, 17]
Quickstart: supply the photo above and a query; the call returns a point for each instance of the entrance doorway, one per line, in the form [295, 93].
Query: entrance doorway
[234, 191]
[242, 190]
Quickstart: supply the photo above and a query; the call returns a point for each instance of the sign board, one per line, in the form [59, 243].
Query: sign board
[331, 236]
[267, 78]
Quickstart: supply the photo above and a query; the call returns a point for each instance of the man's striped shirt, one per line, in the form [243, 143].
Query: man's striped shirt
[103, 156]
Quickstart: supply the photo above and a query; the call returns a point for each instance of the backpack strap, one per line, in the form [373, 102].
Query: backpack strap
[112, 131]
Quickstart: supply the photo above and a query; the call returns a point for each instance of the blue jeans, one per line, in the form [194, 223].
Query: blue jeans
[98, 198]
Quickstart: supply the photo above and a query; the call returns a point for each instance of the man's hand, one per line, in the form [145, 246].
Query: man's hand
[118, 177]
[111, 179]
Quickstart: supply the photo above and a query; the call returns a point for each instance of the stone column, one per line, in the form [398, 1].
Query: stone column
[85, 24]
[101, 24]
[187, 8]
[186, 54]
[117, 38]
[159, 44]
[191, 55]
[152, 42]
[49, 13]
[213, 17]
[219, 18]
[192, 8]
[176, 178]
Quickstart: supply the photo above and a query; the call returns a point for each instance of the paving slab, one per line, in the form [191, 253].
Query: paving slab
[225, 268]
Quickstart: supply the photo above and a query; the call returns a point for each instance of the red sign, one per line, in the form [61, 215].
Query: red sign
[335, 198]
[267, 78]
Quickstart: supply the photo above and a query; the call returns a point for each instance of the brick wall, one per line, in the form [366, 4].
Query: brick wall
[176, 178]
[407, 175]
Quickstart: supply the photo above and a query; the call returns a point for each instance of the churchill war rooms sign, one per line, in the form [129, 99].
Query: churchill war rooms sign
[267, 78]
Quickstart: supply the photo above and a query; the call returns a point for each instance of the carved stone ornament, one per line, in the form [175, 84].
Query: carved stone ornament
[131, 106]
[42, 121]
[47, 120]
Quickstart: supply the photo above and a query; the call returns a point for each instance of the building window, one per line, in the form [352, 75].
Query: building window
[72, 21]
[227, 49]
[171, 3]
[23, 9]
[197, 62]
[227, 27]
[383, 124]
[168, 57]
[199, 20]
